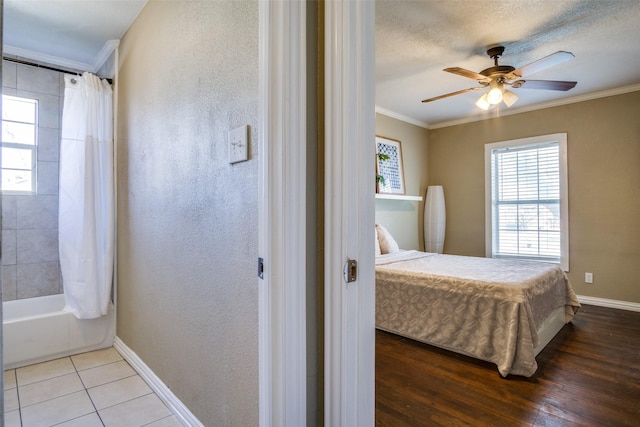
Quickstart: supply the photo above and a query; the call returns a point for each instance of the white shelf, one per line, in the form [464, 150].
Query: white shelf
[398, 197]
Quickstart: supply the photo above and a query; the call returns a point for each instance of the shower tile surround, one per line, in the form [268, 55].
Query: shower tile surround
[30, 261]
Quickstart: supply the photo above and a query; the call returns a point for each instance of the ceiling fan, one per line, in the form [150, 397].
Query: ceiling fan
[499, 76]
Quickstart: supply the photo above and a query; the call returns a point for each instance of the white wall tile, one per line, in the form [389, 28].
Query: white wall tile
[48, 108]
[48, 144]
[38, 245]
[9, 74]
[9, 282]
[9, 212]
[41, 80]
[9, 247]
[47, 178]
[39, 211]
[37, 279]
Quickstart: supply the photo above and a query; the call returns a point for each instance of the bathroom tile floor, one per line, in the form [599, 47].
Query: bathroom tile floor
[98, 389]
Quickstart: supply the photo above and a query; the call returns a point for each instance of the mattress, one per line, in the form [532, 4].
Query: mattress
[487, 308]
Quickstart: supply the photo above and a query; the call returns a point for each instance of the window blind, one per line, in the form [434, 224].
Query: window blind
[526, 210]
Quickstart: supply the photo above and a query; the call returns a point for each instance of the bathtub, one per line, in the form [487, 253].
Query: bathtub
[36, 330]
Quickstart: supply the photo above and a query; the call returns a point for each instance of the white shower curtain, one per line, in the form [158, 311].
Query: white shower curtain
[86, 218]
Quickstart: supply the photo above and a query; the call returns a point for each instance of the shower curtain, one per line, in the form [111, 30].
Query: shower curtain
[86, 218]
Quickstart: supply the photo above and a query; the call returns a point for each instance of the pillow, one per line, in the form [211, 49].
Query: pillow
[378, 251]
[388, 244]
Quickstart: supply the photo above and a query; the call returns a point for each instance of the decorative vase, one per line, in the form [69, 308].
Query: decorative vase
[434, 219]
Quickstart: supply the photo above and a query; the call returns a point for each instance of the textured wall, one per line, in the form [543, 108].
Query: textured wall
[603, 144]
[404, 219]
[187, 219]
[30, 262]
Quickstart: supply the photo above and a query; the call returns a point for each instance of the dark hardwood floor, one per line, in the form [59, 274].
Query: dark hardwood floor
[588, 375]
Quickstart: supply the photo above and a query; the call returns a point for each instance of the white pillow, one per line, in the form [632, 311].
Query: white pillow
[388, 244]
[378, 251]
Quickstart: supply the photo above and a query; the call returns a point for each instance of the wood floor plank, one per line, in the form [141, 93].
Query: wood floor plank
[589, 375]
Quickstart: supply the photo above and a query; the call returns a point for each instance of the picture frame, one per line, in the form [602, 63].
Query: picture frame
[389, 172]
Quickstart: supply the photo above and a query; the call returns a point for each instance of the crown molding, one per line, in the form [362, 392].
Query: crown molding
[550, 104]
[43, 58]
[394, 115]
[67, 64]
[104, 54]
[476, 118]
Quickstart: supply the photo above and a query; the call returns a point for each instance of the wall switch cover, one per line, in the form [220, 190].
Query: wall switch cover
[238, 147]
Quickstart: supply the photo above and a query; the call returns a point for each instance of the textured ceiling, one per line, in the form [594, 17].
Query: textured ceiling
[72, 30]
[415, 40]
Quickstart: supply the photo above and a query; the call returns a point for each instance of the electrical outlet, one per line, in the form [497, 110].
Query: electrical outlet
[238, 147]
[588, 277]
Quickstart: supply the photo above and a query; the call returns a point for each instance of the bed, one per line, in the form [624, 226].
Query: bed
[498, 310]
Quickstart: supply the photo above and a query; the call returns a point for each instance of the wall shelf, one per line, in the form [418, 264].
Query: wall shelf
[398, 197]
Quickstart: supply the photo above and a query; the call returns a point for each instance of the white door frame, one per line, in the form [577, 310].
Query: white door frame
[282, 213]
[349, 212]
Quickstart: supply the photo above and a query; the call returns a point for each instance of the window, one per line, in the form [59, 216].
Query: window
[19, 127]
[526, 199]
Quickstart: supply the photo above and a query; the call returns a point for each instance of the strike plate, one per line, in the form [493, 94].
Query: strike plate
[350, 271]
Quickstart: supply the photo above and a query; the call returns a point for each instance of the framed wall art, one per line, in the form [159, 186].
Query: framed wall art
[389, 171]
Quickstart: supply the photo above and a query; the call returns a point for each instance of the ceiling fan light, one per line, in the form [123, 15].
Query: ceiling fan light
[495, 94]
[483, 102]
[509, 98]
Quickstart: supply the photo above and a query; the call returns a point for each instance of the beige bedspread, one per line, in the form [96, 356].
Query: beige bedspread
[487, 308]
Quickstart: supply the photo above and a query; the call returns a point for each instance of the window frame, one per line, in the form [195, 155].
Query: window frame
[561, 139]
[31, 147]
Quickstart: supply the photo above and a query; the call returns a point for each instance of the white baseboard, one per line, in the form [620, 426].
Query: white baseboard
[610, 303]
[181, 412]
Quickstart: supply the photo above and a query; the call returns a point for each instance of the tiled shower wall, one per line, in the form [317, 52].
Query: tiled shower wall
[30, 262]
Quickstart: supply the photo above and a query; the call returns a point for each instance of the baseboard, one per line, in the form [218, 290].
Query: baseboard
[181, 412]
[610, 303]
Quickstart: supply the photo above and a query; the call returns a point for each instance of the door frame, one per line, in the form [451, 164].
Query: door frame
[349, 212]
[282, 213]
[349, 55]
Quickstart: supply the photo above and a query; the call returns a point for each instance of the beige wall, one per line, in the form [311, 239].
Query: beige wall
[187, 219]
[604, 186]
[404, 219]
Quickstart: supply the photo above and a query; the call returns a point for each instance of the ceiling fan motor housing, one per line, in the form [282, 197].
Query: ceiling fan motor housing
[497, 71]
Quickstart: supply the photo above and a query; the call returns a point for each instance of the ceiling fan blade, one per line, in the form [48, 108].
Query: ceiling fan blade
[467, 73]
[541, 64]
[544, 84]
[471, 89]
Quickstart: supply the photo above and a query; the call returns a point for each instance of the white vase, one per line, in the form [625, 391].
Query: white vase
[434, 219]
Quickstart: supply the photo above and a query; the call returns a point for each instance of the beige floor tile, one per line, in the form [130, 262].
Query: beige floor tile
[171, 421]
[11, 400]
[105, 374]
[134, 413]
[95, 358]
[91, 420]
[57, 410]
[49, 389]
[12, 419]
[44, 371]
[118, 391]
[9, 379]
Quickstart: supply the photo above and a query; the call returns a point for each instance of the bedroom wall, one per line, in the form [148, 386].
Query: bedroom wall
[604, 186]
[187, 219]
[404, 219]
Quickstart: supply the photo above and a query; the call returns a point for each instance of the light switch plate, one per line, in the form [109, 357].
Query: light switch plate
[238, 147]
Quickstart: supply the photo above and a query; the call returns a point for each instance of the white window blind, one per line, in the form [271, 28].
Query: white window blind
[527, 209]
[19, 136]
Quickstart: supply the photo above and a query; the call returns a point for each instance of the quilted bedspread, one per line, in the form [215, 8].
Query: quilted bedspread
[487, 308]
